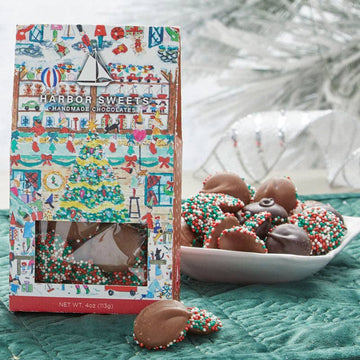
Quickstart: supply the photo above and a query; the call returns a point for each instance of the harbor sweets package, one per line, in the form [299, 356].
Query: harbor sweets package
[95, 174]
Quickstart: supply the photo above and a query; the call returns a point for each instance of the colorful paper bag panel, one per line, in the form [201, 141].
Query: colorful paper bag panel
[95, 168]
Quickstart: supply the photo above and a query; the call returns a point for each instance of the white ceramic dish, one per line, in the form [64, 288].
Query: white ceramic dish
[215, 265]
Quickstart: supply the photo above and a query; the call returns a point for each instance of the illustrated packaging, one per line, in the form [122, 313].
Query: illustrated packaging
[95, 168]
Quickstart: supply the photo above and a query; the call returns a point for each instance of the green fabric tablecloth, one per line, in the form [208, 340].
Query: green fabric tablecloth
[317, 318]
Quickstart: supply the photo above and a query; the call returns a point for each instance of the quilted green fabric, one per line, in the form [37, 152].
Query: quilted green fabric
[317, 318]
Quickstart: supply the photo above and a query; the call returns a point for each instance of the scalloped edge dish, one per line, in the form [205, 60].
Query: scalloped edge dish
[216, 265]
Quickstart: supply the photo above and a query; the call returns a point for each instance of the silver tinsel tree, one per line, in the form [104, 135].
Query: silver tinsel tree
[279, 55]
[265, 55]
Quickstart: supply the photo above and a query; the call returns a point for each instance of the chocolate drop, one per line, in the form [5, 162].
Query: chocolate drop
[161, 323]
[228, 183]
[288, 239]
[281, 189]
[278, 213]
[228, 208]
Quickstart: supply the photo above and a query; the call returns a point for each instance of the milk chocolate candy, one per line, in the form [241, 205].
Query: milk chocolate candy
[114, 249]
[278, 213]
[161, 324]
[217, 228]
[75, 233]
[239, 238]
[281, 189]
[288, 239]
[227, 183]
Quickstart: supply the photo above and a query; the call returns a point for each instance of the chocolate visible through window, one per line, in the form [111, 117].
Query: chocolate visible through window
[91, 253]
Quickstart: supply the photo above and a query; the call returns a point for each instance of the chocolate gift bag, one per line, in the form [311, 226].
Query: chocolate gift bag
[95, 174]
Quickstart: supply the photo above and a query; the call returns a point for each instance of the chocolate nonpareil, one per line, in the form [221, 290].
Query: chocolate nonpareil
[217, 227]
[203, 322]
[114, 249]
[165, 323]
[278, 213]
[317, 204]
[314, 228]
[161, 324]
[240, 239]
[227, 183]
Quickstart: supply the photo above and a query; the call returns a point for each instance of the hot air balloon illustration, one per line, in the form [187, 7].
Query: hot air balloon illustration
[50, 77]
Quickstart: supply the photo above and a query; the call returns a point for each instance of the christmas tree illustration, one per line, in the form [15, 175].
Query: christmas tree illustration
[92, 192]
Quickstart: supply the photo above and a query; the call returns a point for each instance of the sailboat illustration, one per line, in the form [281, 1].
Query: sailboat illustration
[162, 95]
[94, 72]
[68, 33]
[148, 94]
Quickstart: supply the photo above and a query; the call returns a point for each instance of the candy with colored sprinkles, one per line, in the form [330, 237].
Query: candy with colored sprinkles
[239, 238]
[167, 322]
[261, 228]
[161, 324]
[55, 263]
[318, 204]
[226, 221]
[227, 183]
[324, 228]
[203, 322]
[114, 249]
[201, 210]
[259, 223]
[187, 237]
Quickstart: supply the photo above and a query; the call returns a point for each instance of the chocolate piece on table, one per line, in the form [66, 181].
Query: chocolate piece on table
[288, 239]
[227, 183]
[161, 324]
[203, 322]
[241, 239]
[281, 189]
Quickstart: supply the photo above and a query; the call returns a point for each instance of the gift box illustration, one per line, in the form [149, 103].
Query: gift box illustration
[95, 168]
